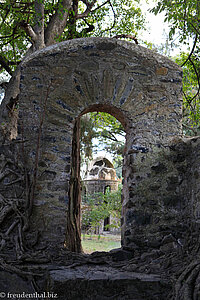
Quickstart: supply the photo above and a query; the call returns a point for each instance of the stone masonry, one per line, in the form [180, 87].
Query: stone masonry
[99, 176]
[139, 87]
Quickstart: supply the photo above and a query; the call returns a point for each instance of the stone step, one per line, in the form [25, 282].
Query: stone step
[103, 283]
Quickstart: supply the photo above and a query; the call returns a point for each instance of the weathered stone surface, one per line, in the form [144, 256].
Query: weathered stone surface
[161, 71]
[106, 283]
[14, 284]
[100, 74]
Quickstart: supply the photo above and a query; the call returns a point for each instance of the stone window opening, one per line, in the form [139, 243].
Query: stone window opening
[107, 189]
[76, 189]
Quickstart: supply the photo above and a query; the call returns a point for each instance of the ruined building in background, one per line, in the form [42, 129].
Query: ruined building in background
[100, 177]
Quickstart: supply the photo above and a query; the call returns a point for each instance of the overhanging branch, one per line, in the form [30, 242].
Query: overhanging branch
[126, 36]
[197, 30]
[189, 56]
[198, 79]
[29, 30]
[100, 6]
[88, 9]
[5, 64]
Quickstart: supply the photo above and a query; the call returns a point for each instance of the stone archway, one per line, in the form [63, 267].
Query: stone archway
[139, 87]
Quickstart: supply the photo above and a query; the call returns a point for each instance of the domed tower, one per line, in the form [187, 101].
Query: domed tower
[100, 176]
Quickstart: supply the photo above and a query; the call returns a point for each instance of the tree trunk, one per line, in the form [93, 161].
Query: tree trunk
[40, 38]
[39, 27]
[73, 237]
[57, 22]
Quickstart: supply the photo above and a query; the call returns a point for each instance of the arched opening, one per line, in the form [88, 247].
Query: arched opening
[99, 182]
[107, 189]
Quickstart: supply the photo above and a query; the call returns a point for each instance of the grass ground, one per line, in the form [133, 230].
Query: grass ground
[107, 242]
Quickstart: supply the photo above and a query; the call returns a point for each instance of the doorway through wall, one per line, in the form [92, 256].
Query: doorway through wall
[98, 144]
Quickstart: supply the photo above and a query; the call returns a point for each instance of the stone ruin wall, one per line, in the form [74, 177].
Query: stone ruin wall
[96, 186]
[143, 91]
[99, 175]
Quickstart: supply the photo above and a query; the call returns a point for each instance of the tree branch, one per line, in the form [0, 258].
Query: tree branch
[88, 9]
[100, 6]
[4, 85]
[198, 79]
[11, 40]
[198, 31]
[57, 22]
[5, 64]
[194, 45]
[29, 31]
[37, 33]
[39, 27]
[86, 30]
[126, 36]
[190, 128]
[6, 36]
[113, 25]
[110, 136]
[5, 16]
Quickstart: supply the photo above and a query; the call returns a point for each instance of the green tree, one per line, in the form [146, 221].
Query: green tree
[191, 97]
[94, 213]
[107, 130]
[29, 25]
[184, 18]
[100, 206]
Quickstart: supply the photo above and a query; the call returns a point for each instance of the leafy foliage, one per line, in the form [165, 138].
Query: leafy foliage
[184, 18]
[88, 133]
[102, 131]
[107, 129]
[100, 206]
[28, 25]
[13, 38]
[22, 23]
[120, 17]
[191, 97]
